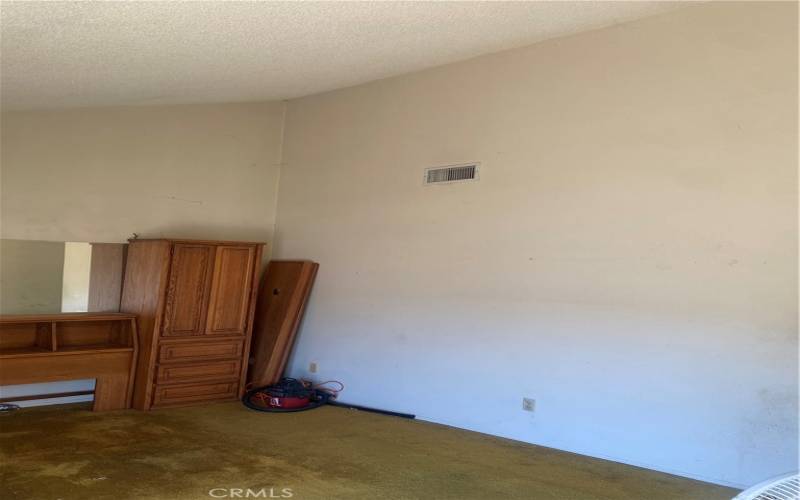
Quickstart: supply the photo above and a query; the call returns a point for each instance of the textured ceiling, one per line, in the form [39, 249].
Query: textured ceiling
[68, 54]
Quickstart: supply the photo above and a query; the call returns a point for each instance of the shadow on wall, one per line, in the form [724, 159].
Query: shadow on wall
[227, 232]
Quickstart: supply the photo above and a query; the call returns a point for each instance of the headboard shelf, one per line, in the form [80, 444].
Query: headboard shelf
[72, 346]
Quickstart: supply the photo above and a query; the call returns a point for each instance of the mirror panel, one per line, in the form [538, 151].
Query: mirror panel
[42, 277]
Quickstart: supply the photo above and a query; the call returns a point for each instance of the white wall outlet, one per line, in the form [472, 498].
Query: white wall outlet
[528, 404]
[312, 367]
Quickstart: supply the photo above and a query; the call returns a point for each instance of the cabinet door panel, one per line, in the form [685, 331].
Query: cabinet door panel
[187, 295]
[230, 290]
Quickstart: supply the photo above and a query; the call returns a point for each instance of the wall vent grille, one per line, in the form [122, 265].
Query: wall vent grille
[451, 173]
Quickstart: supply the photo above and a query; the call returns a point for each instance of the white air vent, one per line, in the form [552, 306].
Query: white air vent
[452, 173]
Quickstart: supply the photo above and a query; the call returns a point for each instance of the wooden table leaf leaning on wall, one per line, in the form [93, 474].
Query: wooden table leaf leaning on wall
[71, 346]
[285, 289]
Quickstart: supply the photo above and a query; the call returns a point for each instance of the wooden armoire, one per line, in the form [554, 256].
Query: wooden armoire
[195, 301]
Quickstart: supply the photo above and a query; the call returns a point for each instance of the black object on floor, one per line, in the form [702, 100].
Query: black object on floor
[372, 410]
[288, 395]
[8, 407]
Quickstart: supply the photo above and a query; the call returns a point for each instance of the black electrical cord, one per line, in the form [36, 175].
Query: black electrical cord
[318, 398]
[373, 410]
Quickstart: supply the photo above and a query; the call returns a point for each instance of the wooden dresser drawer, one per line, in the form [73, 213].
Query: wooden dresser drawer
[187, 394]
[199, 351]
[213, 372]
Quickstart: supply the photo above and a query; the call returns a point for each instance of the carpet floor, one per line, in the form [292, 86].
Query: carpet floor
[204, 452]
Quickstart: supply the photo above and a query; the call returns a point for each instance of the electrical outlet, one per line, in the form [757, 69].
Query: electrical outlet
[312, 367]
[528, 404]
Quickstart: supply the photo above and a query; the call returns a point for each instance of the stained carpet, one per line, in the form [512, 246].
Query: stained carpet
[204, 452]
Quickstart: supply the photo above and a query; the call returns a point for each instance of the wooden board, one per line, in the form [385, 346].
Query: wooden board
[63, 317]
[146, 274]
[282, 297]
[105, 278]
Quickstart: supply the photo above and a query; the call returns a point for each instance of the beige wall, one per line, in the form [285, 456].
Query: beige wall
[205, 171]
[628, 257]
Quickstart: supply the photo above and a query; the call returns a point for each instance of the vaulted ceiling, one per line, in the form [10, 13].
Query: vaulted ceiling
[69, 54]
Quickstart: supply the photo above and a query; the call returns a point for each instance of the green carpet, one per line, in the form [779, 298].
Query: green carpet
[70, 453]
